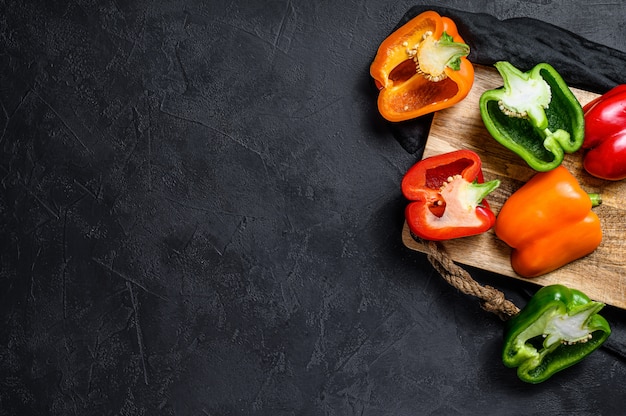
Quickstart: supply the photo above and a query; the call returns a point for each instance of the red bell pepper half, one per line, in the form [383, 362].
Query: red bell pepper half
[448, 196]
[605, 135]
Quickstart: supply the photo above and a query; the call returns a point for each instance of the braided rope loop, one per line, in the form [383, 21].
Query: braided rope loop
[492, 299]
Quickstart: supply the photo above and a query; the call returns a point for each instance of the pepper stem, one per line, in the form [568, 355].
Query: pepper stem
[525, 94]
[596, 199]
[434, 55]
[481, 190]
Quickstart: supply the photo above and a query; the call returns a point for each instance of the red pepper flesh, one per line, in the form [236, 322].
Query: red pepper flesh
[605, 135]
[448, 196]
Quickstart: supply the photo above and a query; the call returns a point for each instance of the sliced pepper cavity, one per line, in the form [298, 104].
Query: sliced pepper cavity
[534, 114]
[557, 328]
[548, 223]
[448, 196]
[421, 67]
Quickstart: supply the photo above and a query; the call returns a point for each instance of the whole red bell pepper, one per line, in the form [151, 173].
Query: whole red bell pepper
[605, 135]
[448, 196]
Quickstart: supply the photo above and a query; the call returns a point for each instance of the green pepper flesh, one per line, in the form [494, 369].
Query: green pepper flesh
[541, 136]
[558, 328]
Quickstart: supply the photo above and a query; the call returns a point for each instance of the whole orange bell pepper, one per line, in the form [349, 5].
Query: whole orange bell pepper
[548, 223]
[421, 67]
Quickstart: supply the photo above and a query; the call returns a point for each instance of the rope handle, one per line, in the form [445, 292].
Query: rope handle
[492, 299]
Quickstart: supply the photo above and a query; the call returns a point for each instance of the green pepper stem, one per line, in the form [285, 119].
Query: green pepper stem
[596, 199]
[525, 94]
[433, 56]
[453, 51]
[481, 190]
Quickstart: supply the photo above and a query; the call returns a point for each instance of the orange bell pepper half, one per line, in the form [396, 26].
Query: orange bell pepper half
[421, 68]
[548, 223]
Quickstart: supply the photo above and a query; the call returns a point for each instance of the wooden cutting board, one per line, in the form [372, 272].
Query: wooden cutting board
[602, 274]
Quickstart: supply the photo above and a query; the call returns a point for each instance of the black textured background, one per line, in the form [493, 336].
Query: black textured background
[201, 215]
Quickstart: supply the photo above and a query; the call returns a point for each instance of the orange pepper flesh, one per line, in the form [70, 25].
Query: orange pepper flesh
[406, 94]
[548, 223]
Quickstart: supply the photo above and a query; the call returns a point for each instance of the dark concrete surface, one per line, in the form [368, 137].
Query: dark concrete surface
[201, 215]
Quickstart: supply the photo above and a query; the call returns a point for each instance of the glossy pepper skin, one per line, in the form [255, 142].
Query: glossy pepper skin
[548, 223]
[448, 196]
[557, 328]
[421, 68]
[605, 135]
[534, 114]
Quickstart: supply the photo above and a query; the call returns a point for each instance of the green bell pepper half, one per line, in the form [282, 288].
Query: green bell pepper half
[534, 114]
[557, 328]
